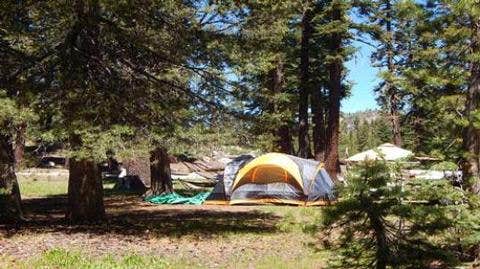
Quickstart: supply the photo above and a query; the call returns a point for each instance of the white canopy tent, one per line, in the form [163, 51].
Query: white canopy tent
[386, 151]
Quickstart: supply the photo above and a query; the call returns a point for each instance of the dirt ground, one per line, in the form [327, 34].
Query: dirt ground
[208, 236]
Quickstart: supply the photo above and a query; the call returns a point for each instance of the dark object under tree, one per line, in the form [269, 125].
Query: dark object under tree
[85, 192]
[161, 180]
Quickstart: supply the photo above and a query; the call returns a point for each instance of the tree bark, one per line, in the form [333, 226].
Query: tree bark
[20, 143]
[85, 192]
[471, 135]
[335, 68]
[304, 149]
[395, 120]
[319, 135]
[391, 90]
[10, 199]
[161, 179]
[85, 189]
[282, 133]
[284, 140]
[382, 252]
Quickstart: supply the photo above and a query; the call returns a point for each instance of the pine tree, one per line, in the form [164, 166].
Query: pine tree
[384, 29]
[319, 81]
[379, 224]
[262, 58]
[438, 76]
[433, 89]
[16, 90]
[283, 132]
[471, 136]
[304, 148]
[337, 33]
[10, 198]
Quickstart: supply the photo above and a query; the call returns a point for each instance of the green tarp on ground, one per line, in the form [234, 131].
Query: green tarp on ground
[175, 198]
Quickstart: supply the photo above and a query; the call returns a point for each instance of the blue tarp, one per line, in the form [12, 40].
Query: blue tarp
[175, 198]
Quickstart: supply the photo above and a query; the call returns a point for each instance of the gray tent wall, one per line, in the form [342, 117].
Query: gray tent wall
[318, 186]
[217, 196]
[321, 190]
[222, 191]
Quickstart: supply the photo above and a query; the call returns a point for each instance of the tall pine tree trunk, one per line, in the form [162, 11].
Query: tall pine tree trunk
[304, 150]
[395, 120]
[85, 192]
[391, 90]
[318, 111]
[10, 199]
[20, 143]
[471, 138]
[335, 68]
[161, 179]
[284, 140]
[282, 133]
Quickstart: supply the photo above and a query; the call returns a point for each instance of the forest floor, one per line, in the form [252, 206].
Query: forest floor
[142, 235]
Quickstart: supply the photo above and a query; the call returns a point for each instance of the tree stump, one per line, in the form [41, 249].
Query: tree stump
[85, 192]
[160, 174]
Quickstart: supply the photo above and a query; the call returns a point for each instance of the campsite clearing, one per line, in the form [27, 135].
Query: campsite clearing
[139, 234]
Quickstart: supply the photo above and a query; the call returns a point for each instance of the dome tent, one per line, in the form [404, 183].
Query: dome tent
[276, 178]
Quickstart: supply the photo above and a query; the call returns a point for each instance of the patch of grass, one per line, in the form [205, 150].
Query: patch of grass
[31, 187]
[41, 188]
[295, 219]
[308, 261]
[64, 259]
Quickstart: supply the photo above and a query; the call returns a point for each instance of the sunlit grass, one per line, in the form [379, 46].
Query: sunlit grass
[60, 258]
[66, 259]
[295, 219]
[308, 261]
[31, 187]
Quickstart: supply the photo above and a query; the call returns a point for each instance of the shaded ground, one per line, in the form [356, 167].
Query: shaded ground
[188, 235]
[128, 215]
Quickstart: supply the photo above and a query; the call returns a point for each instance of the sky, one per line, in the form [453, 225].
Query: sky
[364, 78]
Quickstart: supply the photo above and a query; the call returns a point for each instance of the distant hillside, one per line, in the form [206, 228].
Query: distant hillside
[362, 116]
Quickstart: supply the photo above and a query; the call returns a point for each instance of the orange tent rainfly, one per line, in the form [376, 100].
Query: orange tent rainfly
[273, 178]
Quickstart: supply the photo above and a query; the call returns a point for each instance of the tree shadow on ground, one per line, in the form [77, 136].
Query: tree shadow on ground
[128, 215]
